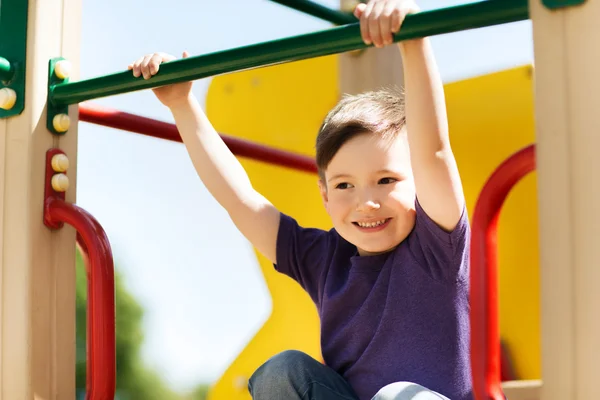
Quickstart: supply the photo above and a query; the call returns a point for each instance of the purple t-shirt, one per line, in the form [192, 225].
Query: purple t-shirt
[398, 316]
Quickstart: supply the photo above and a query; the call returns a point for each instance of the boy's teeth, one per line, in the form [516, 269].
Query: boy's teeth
[371, 224]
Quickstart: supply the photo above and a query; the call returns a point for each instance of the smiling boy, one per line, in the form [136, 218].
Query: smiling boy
[390, 280]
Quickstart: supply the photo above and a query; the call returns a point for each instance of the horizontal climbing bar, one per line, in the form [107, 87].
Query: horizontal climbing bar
[116, 119]
[317, 44]
[319, 11]
[6, 71]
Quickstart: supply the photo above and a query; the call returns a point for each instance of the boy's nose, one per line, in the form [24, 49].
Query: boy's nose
[368, 205]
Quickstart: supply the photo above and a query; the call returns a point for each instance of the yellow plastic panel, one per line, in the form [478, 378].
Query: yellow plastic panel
[490, 118]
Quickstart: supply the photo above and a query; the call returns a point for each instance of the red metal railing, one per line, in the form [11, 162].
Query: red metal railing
[101, 362]
[485, 332]
[146, 126]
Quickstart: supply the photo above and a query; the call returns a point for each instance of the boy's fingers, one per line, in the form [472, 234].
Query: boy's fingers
[396, 21]
[144, 66]
[150, 64]
[136, 67]
[364, 23]
[359, 10]
[385, 27]
[364, 30]
[374, 24]
[154, 63]
[362, 11]
[185, 54]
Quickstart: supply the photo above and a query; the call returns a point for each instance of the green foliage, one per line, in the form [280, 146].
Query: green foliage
[134, 380]
[200, 393]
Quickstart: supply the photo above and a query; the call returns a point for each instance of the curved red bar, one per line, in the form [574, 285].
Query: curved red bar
[101, 352]
[98, 115]
[485, 333]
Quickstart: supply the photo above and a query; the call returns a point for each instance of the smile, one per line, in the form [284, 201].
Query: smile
[372, 225]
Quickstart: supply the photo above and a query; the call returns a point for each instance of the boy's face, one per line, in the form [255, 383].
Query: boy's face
[369, 192]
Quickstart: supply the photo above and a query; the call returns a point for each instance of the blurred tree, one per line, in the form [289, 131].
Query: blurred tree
[134, 380]
[200, 393]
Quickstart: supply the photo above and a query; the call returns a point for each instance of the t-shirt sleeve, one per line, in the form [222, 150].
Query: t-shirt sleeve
[445, 255]
[302, 253]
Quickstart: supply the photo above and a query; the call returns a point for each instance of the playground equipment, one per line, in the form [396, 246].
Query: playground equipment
[332, 41]
[98, 115]
[38, 296]
[319, 11]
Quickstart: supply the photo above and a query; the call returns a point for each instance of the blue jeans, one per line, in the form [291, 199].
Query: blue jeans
[293, 375]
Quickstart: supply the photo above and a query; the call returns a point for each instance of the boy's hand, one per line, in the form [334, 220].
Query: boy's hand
[379, 19]
[149, 65]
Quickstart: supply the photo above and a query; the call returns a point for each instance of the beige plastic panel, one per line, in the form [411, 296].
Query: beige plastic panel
[37, 266]
[522, 390]
[567, 103]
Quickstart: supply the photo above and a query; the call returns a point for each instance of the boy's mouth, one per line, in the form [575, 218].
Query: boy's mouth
[371, 226]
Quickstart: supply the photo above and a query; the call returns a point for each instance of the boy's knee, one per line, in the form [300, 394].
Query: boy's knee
[407, 391]
[281, 373]
[286, 363]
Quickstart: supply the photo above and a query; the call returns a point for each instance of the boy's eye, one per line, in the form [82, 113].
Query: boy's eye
[343, 185]
[387, 181]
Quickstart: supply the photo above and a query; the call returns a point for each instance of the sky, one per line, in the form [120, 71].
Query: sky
[180, 255]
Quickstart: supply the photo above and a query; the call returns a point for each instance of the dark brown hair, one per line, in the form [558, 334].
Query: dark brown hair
[379, 112]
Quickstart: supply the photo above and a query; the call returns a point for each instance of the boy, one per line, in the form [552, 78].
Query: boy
[390, 281]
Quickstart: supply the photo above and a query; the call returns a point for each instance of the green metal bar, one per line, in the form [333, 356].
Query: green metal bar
[332, 41]
[555, 4]
[319, 11]
[13, 47]
[6, 71]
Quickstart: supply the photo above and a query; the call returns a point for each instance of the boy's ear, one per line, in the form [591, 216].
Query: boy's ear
[323, 191]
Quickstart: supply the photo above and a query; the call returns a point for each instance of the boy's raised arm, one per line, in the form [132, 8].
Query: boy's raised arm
[218, 168]
[437, 181]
